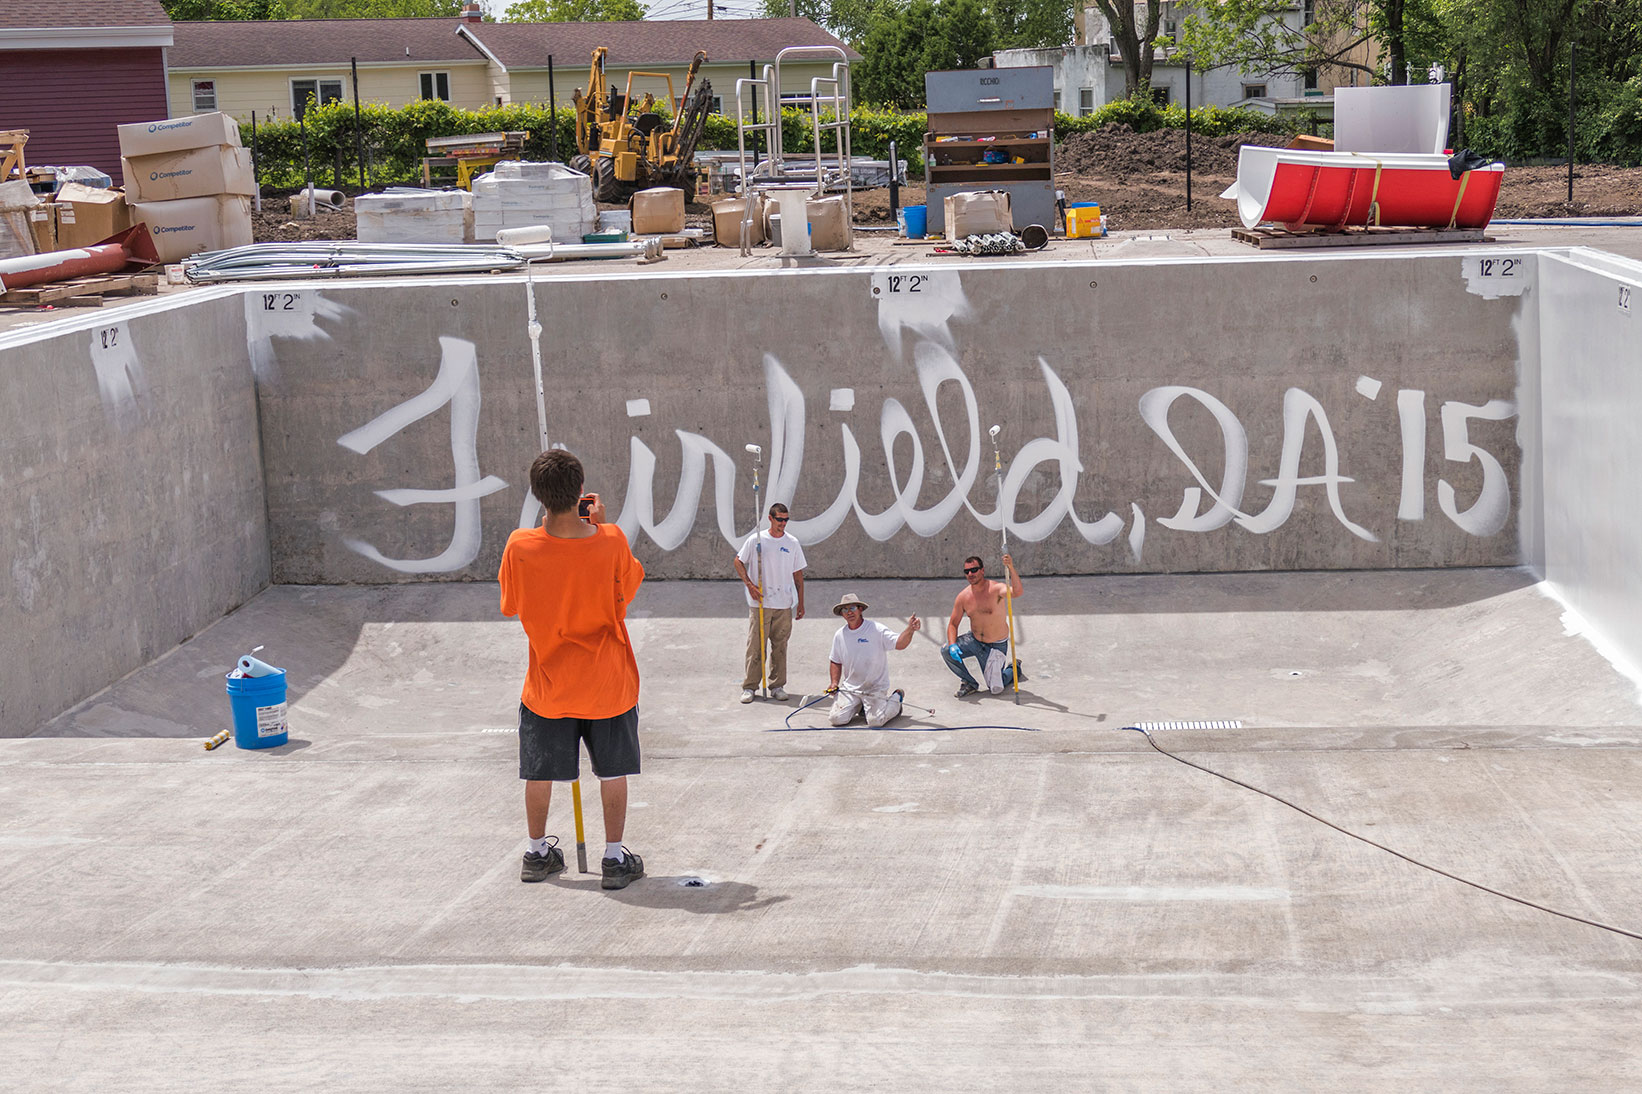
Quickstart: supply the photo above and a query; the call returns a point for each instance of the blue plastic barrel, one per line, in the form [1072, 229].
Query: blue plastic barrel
[259, 710]
[917, 220]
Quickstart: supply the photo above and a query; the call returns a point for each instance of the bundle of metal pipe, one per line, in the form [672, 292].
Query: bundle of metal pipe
[345, 258]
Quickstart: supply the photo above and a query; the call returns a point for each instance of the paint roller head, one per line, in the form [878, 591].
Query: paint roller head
[755, 450]
[993, 432]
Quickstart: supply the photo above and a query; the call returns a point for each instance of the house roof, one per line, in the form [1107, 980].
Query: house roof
[516, 45]
[246, 43]
[660, 41]
[19, 14]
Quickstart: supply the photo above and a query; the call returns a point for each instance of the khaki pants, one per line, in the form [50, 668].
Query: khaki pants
[879, 708]
[777, 629]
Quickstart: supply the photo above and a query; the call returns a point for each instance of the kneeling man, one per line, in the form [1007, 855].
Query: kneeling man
[860, 664]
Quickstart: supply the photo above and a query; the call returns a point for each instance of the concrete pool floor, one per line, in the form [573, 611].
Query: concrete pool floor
[911, 908]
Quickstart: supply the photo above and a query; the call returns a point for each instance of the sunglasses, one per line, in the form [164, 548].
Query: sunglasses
[781, 520]
[973, 569]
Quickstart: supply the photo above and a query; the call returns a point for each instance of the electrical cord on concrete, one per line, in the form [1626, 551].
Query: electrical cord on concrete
[1381, 846]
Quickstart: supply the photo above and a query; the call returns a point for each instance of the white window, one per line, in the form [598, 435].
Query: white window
[321, 91]
[1086, 101]
[1254, 91]
[1162, 95]
[205, 96]
[1057, 100]
[436, 85]
[718, 104]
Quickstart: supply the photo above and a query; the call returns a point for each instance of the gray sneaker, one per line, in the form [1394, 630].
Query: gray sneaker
[619, 873]
[966, 688]
[541, 867]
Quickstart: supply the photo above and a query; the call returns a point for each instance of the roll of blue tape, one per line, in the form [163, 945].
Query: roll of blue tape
[250, 666]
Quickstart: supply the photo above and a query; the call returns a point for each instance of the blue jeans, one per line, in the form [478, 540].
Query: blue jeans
[974, 647]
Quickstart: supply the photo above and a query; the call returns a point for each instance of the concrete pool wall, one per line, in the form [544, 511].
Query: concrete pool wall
[1308, 413]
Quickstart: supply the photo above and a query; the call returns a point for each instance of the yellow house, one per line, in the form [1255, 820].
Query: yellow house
[273, 67]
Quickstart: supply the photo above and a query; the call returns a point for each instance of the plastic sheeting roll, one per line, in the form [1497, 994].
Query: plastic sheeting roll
[250, 666]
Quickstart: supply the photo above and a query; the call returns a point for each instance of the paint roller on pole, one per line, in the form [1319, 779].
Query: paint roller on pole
[1008, 583]
[534, 329]
[758, 540]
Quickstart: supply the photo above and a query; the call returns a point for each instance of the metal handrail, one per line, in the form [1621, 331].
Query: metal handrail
[833, 91]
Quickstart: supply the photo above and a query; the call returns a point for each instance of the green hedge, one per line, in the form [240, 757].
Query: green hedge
[393, 139]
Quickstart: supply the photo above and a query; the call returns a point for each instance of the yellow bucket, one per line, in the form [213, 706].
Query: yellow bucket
[1084, 222]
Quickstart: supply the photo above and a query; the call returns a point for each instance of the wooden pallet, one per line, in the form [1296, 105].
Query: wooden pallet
[1267, 239]
[84, 292]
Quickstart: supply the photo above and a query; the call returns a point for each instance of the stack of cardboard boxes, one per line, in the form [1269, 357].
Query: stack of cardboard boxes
[190, 181]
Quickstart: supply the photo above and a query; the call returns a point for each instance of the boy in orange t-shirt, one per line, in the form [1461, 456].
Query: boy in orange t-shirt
[569, 581]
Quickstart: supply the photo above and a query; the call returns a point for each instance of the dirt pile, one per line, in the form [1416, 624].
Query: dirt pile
[1119, 153]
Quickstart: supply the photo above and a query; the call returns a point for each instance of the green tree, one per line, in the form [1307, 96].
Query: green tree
[1134, 28]
[190, 10]
[1032, 24]
[962, 36]
[903, 42]
[373, 9]
[1263, 37]
[574, 11]
[847, 20]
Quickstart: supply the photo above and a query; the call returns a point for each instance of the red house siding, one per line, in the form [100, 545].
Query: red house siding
[70, 100]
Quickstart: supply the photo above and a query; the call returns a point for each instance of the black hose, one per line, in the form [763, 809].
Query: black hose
[1381, 846]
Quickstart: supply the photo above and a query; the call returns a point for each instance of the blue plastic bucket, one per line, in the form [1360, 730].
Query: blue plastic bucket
[917, 220]
[259, 710]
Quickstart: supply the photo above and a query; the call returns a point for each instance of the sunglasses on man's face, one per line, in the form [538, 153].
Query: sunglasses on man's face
[781, 520]
[972, 569]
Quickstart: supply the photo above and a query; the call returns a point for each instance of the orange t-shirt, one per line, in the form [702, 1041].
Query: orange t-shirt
[571, 595]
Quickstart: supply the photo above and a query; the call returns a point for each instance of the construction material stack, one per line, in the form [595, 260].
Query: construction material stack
[190, 180]
[519, 195]
[405, 215]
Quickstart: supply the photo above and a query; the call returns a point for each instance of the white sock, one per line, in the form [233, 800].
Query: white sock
[540, 846]
[613, 850]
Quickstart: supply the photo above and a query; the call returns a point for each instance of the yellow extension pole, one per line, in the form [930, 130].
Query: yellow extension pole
[763, 660]
[758, 533]
[1008, 582]
[581, 835]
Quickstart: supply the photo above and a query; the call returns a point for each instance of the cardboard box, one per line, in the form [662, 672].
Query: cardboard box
[191, 225]
[829, 229]
[978, 212]
[658, 211]
[87, 215]
[43, 220]
[727, 216]
[195, 173]
[177, 134]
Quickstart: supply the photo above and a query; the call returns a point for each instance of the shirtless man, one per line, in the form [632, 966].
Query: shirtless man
[988, 639]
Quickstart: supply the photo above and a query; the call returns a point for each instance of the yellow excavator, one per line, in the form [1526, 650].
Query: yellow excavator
[627, 146]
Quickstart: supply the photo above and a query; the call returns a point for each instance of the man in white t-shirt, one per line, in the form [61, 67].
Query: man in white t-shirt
[771, 566]
[860, 664]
